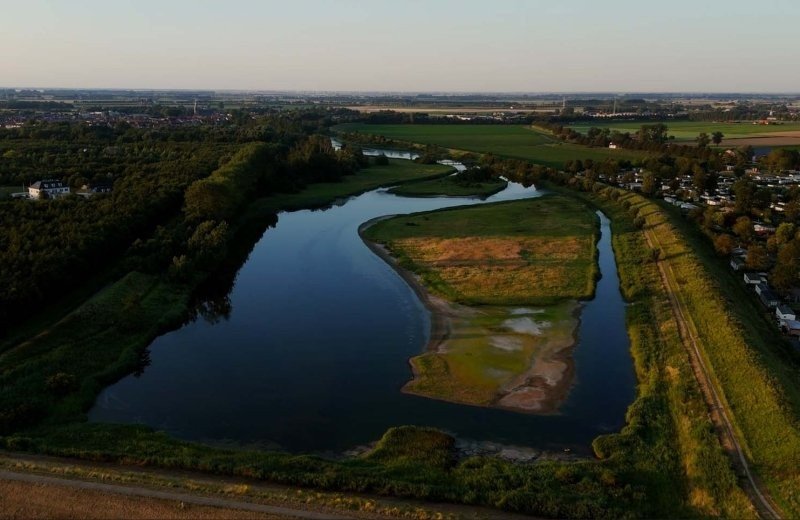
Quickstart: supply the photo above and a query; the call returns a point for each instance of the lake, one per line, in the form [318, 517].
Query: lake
[315, 350]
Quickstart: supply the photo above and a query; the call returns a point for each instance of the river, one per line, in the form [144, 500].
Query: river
[316, 348]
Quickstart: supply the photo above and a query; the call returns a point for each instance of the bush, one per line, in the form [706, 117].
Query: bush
[381, 160]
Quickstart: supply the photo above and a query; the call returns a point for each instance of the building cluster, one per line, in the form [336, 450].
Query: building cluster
[111, 118]
[684, 195]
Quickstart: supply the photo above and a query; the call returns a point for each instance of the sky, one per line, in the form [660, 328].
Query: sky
[403, 45]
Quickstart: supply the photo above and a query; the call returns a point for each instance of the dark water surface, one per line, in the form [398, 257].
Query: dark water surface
[316, 349]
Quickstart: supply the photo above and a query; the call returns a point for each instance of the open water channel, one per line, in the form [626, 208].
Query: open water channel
[315, 350]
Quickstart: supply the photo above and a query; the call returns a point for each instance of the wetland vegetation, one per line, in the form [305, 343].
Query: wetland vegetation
[490, 264]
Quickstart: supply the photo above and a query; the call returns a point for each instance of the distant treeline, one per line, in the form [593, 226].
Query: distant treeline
[55, 106]
[649, 138]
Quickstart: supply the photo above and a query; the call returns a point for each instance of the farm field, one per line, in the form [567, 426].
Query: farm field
[688, 130]
[513, 141]
[522, 266]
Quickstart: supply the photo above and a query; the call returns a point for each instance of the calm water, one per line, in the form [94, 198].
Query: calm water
[316, 349]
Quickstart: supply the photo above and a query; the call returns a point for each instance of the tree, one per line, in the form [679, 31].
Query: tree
[656, 133]
[702, 140]
[744, 229]
[724, 244]
[757, 257]
[786, 273]
[207, 199]
[699, 179]
[381, 160]
[649, 183]
[716, 137]
[745, 193]
[784, 233]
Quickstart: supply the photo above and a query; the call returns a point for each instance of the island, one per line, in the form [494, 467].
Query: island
[503, 283]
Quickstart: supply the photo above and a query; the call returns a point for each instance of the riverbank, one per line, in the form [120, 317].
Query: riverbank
[504, 355]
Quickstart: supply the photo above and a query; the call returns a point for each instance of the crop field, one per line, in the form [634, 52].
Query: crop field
[688, 130]
[512, 141]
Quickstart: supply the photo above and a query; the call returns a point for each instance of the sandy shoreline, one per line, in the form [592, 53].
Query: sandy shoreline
[441, 323]
[539, 390]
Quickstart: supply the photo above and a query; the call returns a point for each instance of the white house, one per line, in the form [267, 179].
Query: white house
[784, 312]
[791, 327]
[737, 263]
[47, 189]
[752, 278]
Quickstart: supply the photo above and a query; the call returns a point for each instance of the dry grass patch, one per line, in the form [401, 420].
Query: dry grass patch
[438, 251]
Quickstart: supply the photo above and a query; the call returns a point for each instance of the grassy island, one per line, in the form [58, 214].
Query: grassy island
[450, 186]
[504, 280]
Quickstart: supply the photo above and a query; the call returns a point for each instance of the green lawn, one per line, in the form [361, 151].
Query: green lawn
[688, 130]
[513, 141]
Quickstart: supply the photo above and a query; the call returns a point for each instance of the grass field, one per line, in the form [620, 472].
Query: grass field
[512, 141]
[688, 130]
[449, 187]
[398, 171]
[538, 252]
[532, 252]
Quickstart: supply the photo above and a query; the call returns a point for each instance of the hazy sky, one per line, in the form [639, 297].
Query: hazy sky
[403, 45]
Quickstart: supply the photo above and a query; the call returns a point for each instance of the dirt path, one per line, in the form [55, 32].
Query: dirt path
[717, 410]
[134, 489]
[170, 496]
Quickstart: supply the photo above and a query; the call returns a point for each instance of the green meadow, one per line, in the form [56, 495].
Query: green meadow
[688, 130]
[511, 141]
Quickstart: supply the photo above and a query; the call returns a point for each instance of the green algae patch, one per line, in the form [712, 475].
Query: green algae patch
[508, 357]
